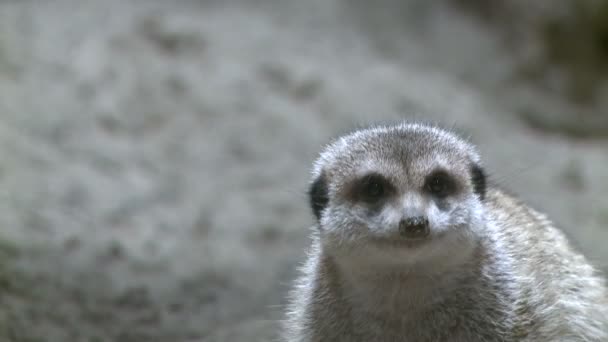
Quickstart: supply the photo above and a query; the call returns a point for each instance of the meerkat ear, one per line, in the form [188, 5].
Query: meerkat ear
[318, 195]
[478, 178]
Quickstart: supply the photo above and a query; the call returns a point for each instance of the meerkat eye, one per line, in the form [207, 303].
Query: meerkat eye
[440, 184]
[373, 187]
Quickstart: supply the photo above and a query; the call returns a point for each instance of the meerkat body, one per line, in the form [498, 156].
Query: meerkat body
[411, 245]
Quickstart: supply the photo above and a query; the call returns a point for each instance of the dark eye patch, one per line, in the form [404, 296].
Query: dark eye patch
[440, 184]
[372, 188]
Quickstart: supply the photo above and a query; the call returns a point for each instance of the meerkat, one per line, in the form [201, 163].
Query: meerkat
[412, 244]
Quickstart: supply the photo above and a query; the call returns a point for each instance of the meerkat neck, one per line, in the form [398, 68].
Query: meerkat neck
[379, 289]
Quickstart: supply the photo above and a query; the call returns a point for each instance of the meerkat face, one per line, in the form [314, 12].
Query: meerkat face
[409, 191]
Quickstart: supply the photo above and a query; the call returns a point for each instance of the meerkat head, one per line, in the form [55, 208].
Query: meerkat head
[407, 193]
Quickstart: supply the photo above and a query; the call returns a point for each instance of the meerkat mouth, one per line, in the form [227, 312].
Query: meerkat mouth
[401, 242]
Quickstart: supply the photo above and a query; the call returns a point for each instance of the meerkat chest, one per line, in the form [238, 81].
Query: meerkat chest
[440, 324]
[420, 316]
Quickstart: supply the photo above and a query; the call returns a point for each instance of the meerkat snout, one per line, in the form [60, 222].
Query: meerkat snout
[415, 227]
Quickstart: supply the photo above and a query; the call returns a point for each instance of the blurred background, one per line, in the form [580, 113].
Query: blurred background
[154, 155]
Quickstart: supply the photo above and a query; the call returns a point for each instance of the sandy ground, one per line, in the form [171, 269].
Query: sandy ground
[154, 156]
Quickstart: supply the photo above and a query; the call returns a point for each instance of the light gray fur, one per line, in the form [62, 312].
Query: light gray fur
[493, 270]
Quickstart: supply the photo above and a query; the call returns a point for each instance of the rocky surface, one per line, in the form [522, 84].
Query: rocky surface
[154, 156]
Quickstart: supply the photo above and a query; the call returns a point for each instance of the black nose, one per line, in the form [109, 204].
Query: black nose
[414, 227]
